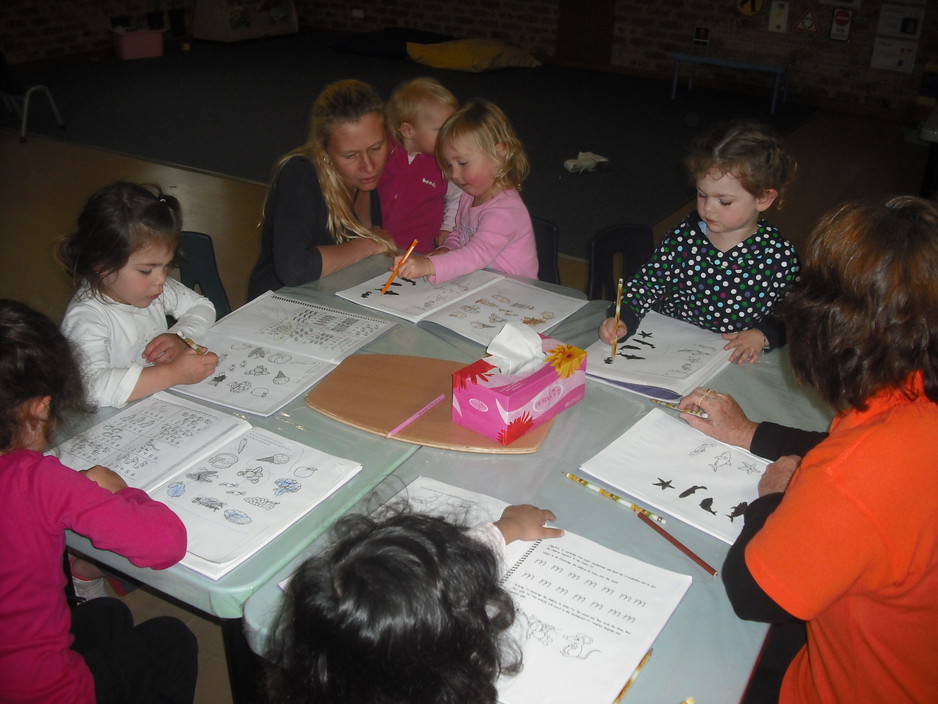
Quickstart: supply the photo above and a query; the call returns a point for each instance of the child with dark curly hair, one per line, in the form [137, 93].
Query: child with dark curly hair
[402, 610]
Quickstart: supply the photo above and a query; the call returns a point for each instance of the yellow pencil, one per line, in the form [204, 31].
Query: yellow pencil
[609, 495]
[384, 289]
[615, 330]
[198, 348]
[632, 678]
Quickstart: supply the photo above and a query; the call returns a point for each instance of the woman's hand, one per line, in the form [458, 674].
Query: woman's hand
[526, 522]
[725, 419]
[778, 474]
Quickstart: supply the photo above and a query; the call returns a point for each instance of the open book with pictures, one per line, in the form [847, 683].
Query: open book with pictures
[665, 358]
[234, 486]
[275, 348]
[475, 305]
[587, 615]
[667, 464]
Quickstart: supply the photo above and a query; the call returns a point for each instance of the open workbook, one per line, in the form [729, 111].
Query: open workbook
[234, 486]
[587, 615]
[664, 359]
[475, 305]
[664, 462]
[275, 348]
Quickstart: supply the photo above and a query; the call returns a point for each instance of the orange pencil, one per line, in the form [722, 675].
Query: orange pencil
[391, 278]
[676, 543]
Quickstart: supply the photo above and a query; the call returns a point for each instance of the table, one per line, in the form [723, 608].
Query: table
[782, 71]
[223, 599]
[705, 651]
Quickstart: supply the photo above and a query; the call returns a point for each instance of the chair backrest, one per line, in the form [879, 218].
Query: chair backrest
[199, 270]
[631, 243]
[545, 238]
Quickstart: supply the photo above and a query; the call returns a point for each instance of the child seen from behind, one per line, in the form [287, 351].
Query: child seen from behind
[120, 255]
[406, 609]
[91, 652]
[417, 201]
[724, 268]
[478, 150]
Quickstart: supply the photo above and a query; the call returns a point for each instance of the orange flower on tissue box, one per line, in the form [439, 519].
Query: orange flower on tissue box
[504, 407]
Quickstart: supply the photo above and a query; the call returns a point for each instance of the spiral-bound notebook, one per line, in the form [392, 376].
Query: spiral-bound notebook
[587, 615]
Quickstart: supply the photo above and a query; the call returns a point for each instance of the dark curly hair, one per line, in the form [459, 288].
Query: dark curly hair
[118, 220]
[402, 610]
[864, 316]
[747, 150]
[35, 361]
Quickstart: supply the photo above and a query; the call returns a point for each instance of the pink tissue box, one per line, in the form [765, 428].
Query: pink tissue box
[504, 407]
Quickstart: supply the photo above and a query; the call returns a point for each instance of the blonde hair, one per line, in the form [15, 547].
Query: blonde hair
[750, 152]
[342, 101]
[409, 97]
[487, 127]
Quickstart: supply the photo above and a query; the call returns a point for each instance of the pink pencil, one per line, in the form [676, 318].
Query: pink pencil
[416, 415]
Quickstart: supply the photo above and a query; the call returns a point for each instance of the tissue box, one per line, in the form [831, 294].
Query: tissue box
[504, 407]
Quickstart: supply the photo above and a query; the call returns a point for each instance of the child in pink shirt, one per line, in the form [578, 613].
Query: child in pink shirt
[480, 153]
[417, 201]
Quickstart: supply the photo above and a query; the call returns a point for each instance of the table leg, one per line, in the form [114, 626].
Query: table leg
[690, 78]
[677, 71]
[245, 669]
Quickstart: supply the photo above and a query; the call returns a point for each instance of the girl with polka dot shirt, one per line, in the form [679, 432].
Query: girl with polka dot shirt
[723, 268]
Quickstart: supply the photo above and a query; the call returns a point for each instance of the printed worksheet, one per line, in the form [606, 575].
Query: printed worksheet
[476, 305]
[587, 615]
[667, 464]
[324, 333]
[235, 487]
[246, 493]
[415, 299]
[275, 348]
[664, 359]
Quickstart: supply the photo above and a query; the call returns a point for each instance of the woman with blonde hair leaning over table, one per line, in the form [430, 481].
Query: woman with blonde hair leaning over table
[846, 539]
[322, 212]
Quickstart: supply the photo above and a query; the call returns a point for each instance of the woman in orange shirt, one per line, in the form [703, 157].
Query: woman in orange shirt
[846, 539]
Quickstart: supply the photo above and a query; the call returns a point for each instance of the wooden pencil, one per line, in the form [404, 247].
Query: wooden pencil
[676, 543]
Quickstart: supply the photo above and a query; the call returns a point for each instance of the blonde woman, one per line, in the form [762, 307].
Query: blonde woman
[323, 212]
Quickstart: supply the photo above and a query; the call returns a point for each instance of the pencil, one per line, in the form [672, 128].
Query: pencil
[632, 678]
[678, 544]
[384, 289]
[615, 330]
[609, 495]
[675, 407]
[198, 348]
[416, 415]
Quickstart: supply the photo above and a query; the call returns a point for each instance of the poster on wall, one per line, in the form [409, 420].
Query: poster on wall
[842, 3]
[894, 54]
[840, 25]
[901, 21]
[778, 16]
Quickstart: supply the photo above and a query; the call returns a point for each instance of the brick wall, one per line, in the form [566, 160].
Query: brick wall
[44, 30]
[827, 72]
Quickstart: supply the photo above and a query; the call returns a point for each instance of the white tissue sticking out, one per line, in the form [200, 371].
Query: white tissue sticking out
[516, 349]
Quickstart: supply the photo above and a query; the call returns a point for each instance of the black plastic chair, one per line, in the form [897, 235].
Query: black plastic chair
[199, 271]
[545, 238]
[631, 243]
[16, 97]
